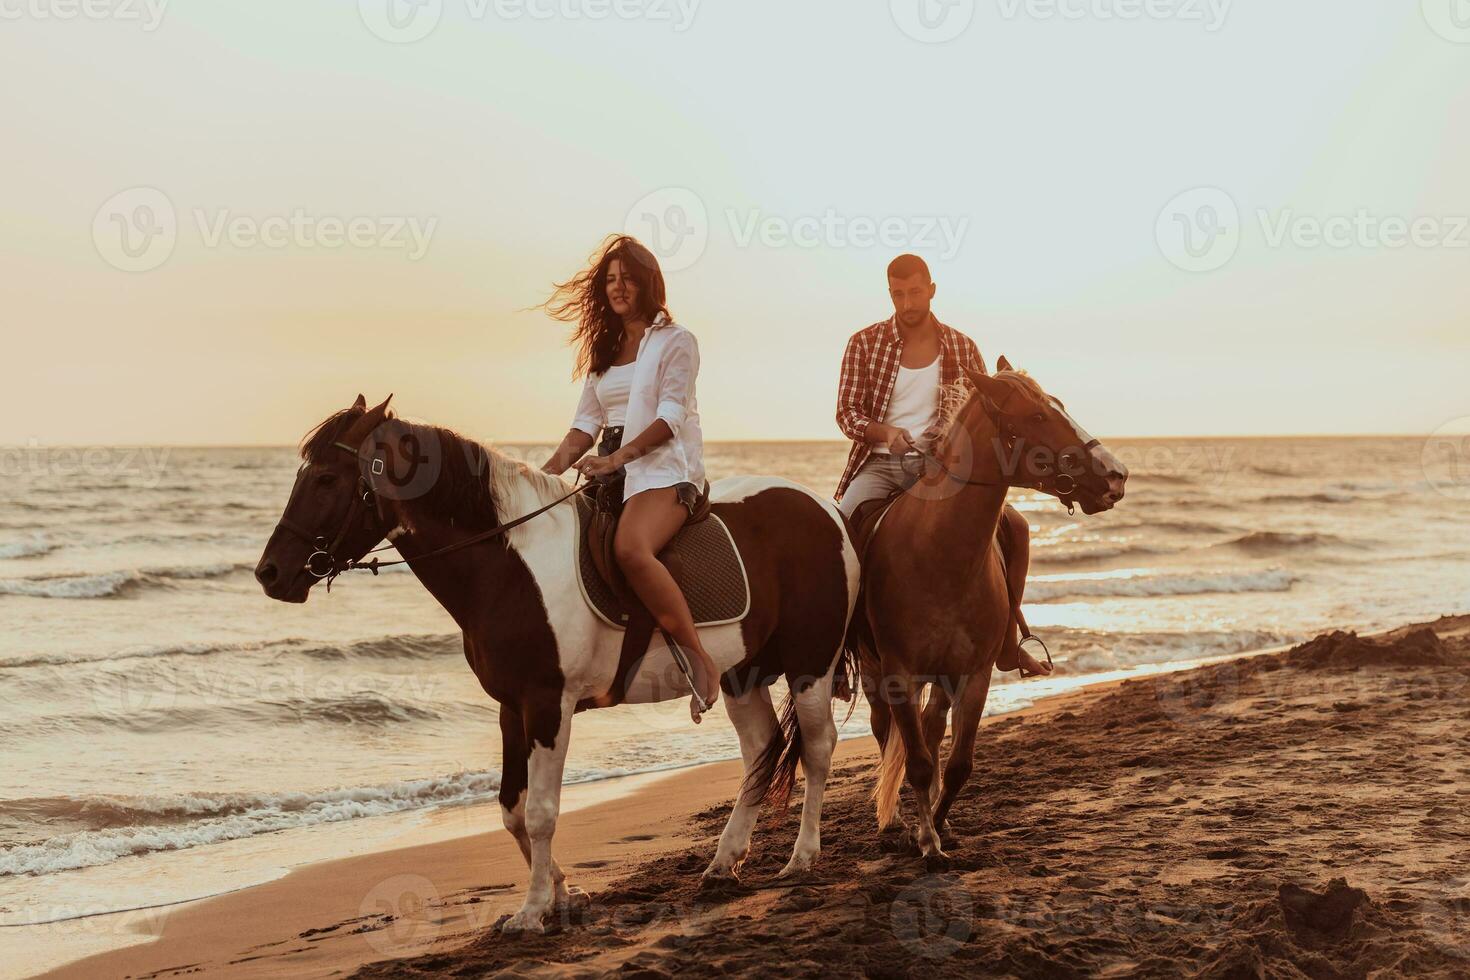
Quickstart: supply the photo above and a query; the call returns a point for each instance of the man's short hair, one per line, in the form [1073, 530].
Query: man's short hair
[907, 265]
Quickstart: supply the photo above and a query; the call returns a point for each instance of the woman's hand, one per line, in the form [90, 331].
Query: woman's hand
[595, 466]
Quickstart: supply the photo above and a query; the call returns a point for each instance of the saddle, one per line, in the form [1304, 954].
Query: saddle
[702, 557]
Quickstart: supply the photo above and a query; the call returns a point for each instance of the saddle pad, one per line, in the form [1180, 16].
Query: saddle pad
[705, 563]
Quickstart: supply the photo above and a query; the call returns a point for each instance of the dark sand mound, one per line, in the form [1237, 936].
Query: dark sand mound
[1295, 816]
[1416, 647]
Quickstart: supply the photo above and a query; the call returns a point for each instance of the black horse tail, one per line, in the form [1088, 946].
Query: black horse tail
[773, 777]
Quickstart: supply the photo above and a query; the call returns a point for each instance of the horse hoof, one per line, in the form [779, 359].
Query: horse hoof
[936, 860]
[521, 924]
[798, 865]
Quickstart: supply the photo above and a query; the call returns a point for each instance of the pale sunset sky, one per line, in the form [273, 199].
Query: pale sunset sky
[224, 219]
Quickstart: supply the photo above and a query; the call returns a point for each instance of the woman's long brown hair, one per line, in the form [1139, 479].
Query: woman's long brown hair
[583, 300]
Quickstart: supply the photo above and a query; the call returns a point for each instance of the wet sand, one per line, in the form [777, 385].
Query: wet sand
[1303, 814]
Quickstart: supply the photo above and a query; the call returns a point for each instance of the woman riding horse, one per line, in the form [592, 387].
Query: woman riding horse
[640, 369]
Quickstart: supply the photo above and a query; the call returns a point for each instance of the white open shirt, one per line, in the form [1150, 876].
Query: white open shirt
[663, 388]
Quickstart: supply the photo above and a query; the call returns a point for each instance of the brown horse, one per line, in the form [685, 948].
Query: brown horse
[935, 611]
[533, 641]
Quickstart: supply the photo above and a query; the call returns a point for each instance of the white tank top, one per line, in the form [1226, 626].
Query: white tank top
[612, 391]
[915, 403]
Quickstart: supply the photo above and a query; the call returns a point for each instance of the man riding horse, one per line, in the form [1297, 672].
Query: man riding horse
[889, 404]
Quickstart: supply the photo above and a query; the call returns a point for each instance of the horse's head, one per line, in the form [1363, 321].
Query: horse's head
[1037, 444]
[333, 515]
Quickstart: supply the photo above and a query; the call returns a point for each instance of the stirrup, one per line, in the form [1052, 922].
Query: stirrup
[1033, 637]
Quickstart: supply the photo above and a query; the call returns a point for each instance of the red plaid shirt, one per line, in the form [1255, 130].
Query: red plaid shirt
[869, 371]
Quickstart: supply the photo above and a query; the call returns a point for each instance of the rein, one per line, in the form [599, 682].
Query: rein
[323, 562]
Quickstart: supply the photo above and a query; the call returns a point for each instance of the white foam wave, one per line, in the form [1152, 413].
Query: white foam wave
[107, 584]
[181, 822]
[1141, 582]
[31, 546]
[231, 817]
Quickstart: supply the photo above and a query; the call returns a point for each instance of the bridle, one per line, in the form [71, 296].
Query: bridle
[323, 562]
[1010, 438]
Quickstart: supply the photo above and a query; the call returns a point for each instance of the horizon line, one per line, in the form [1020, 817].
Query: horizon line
[707, 442]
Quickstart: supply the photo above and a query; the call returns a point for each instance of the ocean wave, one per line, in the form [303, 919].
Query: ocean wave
[1084, 555]
[1173, 479]
[107, 585]
[1132, 582]
[1320, 497]
[405, 647]
[1083, 651]
[141, 826]
[124, 827]
[32, 546]
[368, 710]
[1276, 542]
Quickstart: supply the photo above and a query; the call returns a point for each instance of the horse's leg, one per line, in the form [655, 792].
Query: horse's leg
[969, 707]
[513, 778]
[548, 716]
[936, 718]
[919, 766]
[755, 722]
[880, 718]
[818, 741]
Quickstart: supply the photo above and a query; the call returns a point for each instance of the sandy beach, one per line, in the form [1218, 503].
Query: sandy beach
[1301, 814]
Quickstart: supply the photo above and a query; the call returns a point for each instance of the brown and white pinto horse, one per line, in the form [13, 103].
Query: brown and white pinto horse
[935, 611]
[530, 637]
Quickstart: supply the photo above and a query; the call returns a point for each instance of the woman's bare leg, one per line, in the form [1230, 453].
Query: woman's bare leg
[649, 522]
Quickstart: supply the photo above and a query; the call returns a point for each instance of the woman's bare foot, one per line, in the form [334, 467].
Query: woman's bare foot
[706, 681]
[1030, 665]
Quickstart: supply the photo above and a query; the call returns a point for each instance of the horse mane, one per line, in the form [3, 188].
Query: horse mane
[475, 484]
[954, 398]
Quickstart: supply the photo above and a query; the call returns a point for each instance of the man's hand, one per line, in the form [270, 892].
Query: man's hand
[894, 439]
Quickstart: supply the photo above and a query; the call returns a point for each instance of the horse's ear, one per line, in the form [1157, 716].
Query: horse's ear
[370, 420]
[991, 391]
[361, 402]
[1003, 364]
